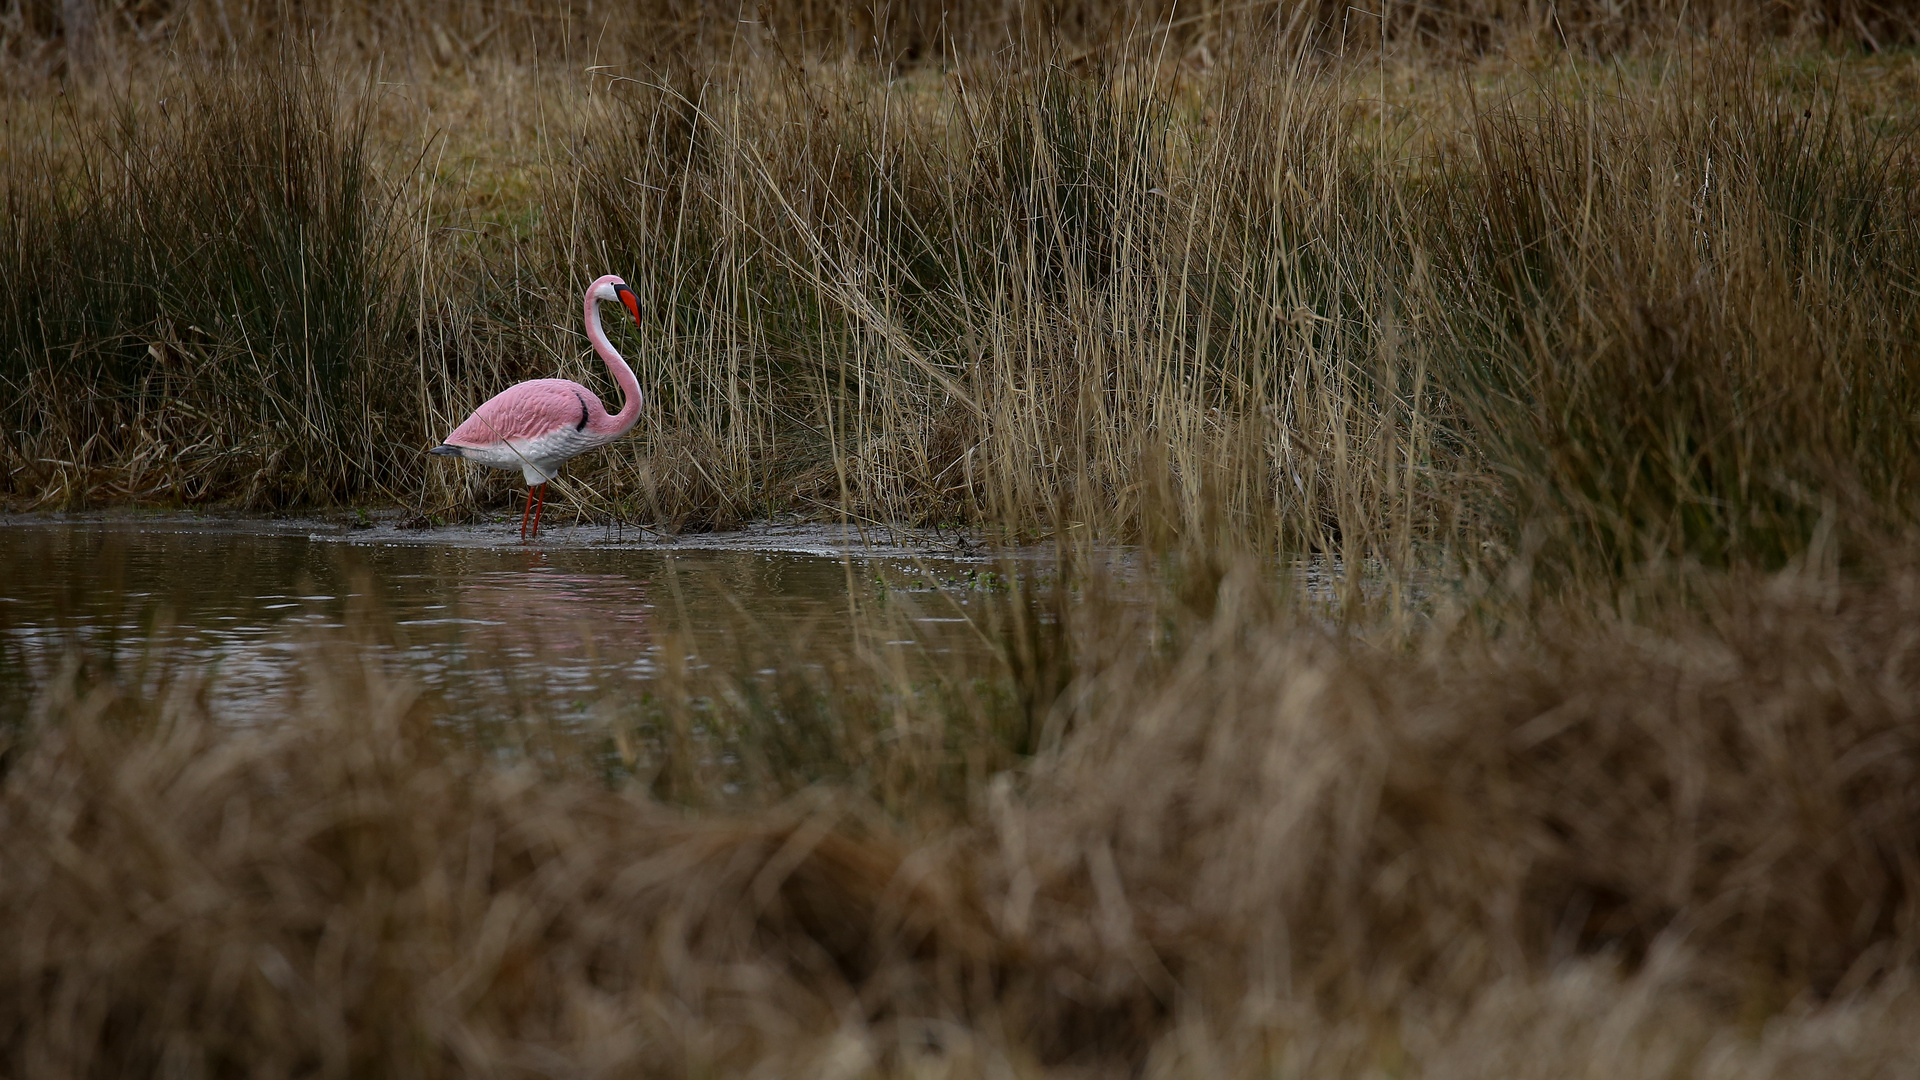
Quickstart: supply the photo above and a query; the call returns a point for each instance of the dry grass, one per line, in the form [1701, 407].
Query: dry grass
[45, 37]
[192, 294]
[1680, 844]
[1257, 298]
[1587, 349]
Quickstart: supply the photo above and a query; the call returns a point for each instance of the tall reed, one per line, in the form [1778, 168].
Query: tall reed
[1678, 326]
[441, 34]
[195, 290]
[1682, 326]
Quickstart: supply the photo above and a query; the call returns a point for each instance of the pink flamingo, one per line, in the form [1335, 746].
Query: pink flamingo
[536, 425]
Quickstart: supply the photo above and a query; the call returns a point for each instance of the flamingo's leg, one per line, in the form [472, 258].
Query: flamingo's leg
[524, 513]
[537, 507]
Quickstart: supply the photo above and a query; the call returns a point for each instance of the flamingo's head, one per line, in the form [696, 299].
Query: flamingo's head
[611, 288]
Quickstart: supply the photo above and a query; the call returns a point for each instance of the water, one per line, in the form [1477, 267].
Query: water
[468, 615]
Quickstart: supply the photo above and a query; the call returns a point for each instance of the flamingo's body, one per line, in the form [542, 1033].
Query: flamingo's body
[536, 425]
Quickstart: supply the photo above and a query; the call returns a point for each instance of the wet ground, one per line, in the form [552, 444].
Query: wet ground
[467, 613]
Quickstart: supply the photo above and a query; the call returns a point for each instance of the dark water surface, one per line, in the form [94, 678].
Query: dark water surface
[482, 622]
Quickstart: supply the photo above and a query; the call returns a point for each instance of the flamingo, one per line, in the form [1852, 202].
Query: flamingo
[536, 425]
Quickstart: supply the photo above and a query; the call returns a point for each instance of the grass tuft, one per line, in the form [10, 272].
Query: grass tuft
[196, 285]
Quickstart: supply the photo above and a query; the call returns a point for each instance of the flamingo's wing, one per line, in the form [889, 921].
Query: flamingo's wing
[528, 410]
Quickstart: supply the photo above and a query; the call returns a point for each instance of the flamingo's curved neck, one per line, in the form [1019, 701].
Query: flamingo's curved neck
[613, 424]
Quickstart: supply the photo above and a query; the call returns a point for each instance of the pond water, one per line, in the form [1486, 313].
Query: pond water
[468, 614]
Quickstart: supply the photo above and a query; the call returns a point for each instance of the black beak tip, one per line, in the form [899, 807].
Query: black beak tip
[631, 301]
[445, 451]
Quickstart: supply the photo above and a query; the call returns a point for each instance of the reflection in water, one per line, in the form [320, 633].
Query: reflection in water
[536, 633]
[487, 630]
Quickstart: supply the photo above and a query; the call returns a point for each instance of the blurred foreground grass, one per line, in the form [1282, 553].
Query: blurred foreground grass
[1148, 838]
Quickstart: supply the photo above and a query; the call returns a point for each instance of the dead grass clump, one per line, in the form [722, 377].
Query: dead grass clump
[1033, 298]
[1680, 329]
[1627, 320]
[194, 286]
[1681, 843]
[1682, 822]
[348, 893]
[1322, 819]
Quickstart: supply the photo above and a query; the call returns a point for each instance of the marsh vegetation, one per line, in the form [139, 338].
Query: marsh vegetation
[1577, 343]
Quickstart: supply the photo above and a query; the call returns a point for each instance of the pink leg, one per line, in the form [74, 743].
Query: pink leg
[524, 513]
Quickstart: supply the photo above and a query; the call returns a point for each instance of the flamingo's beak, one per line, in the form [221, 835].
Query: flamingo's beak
[632, 302]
